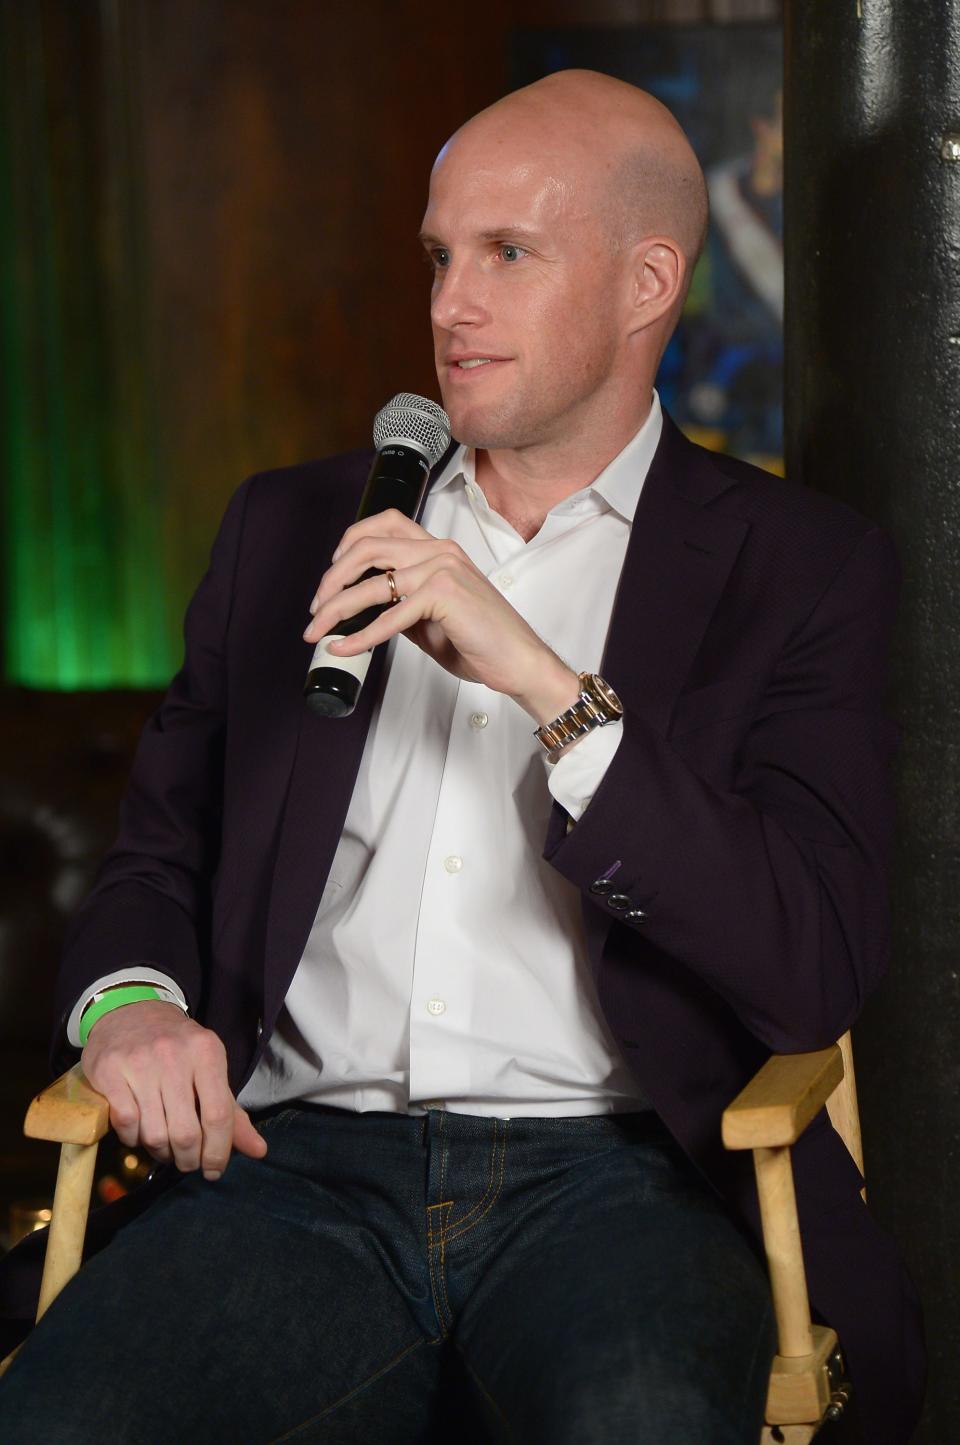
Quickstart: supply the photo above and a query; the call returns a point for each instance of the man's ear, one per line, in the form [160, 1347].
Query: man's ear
[657, 280]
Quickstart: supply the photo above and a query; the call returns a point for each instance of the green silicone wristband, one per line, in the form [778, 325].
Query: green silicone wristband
[113, 998]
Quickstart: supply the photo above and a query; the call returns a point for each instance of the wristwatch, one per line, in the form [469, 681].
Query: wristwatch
[596, 706]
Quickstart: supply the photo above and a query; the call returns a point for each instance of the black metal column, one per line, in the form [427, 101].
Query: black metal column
[872, 176]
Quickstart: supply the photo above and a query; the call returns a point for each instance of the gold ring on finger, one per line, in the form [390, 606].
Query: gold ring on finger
[394, 597]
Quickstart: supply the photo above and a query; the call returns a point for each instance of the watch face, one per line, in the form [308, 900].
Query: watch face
[605, 695]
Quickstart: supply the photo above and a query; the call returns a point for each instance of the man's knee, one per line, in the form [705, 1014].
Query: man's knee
[651, 1387]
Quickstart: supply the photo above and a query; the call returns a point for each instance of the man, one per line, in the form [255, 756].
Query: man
[473, 992]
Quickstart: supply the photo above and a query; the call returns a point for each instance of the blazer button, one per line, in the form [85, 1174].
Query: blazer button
[602, 885]
[636, 915]
[259, 1028]
[619, 901]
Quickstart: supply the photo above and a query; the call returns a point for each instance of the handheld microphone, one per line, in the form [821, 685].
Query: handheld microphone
[410, 434]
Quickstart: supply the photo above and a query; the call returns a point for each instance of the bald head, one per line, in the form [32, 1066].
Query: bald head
[563, 224]
[617, 145]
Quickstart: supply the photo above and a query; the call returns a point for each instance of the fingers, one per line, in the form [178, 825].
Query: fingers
[124, 1114]
[380, 551]
[419, 591]
[165, 1077]
[411, 563]
[153, 1120]
[447, 607]
[246, 1139]
[348, 601]
[198, 1127]
[382, 524]
[216, 1106]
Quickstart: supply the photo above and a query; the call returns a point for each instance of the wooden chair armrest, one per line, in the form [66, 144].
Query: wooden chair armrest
[768, 1116]
[68, 1111]
[781, 1099]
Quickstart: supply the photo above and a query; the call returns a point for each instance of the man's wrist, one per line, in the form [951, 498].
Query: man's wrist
[557, 688]
[596, 706]
[118, 996]
[135, 972]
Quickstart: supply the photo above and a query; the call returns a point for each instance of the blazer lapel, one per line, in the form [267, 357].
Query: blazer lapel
[678, 560]
[679, 557]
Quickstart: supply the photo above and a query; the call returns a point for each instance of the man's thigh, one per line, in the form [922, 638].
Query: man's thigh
[642, 1316]
[253, 1309]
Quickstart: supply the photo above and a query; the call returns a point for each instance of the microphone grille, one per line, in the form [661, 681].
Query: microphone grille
[407, 419]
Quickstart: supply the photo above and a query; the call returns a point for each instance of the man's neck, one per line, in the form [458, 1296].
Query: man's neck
[524, 484]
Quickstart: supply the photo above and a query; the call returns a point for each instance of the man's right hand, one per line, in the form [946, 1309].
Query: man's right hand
[165, 1077]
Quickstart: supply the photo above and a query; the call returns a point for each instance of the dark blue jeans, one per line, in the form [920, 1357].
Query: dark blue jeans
[380, 1279]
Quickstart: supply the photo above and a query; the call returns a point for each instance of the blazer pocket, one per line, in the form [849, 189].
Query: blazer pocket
[716, 702]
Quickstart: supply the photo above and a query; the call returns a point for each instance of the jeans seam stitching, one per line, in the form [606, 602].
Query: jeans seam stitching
[443, 1153]
[278, 1120]
[457, 1232]
[490, 1182]
[328, 1409]
[438, 1281]
[431, 1264]
[443, 1262]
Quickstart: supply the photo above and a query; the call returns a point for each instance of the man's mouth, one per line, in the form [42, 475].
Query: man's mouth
[473, 362]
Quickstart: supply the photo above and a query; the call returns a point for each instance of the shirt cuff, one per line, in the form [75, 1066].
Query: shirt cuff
[577, 775]
[131, 974]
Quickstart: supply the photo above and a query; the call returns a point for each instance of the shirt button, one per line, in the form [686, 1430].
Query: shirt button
[436, 1006]
[505, 580]
[478, 719]
[453, 864]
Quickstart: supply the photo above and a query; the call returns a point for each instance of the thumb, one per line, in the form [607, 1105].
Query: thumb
[245, 1137]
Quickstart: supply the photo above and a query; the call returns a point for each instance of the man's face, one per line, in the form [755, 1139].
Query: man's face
[527, 301]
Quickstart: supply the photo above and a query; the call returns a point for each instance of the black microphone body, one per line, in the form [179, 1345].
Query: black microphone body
[398, 479]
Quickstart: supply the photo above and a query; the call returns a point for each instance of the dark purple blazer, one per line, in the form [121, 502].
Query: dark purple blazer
[747, 813]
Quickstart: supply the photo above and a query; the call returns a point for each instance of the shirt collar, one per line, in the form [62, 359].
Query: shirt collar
[619, 484]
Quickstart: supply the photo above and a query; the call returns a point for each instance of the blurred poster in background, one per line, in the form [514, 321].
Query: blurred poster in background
[722, 375]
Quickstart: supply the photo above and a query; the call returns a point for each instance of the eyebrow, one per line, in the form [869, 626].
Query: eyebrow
[497, 233]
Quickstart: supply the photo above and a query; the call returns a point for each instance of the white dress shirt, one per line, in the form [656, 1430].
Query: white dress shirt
[446, 965]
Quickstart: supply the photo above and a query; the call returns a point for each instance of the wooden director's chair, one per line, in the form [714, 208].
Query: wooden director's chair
[806, 1381]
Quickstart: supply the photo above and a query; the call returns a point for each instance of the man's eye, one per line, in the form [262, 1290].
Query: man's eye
[510, 252]
[439, 258]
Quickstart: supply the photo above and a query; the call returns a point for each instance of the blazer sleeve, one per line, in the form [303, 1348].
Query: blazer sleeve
[150, 903]
[774, 891]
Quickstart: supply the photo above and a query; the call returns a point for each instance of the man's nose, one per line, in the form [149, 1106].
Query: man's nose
[458, 297]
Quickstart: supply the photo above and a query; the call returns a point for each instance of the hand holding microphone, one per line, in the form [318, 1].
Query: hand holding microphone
[390, 576]
[411, 434]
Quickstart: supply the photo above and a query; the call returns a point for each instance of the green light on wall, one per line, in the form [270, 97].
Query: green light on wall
[83, 554]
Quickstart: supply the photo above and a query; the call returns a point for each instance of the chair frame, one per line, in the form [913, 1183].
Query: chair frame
[807, 1384]
[768, 1116]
